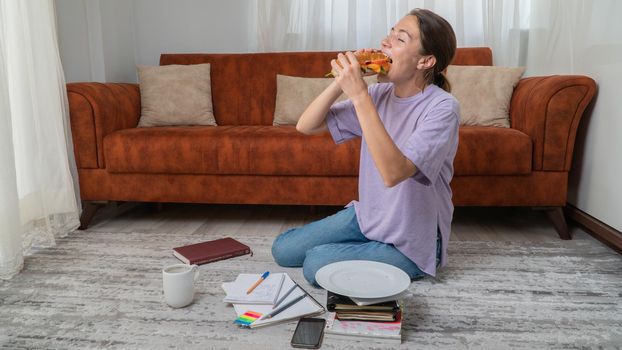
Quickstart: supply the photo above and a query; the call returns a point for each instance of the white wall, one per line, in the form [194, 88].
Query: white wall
[73, 40]
[595, 186]
[583, 37]
[103, 40]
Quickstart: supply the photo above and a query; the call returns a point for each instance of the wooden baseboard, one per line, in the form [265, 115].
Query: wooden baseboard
[601, 231]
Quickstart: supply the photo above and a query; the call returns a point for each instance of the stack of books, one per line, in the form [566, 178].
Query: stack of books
[352, 318]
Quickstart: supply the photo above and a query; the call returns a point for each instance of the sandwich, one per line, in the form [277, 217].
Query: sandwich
[374, 62]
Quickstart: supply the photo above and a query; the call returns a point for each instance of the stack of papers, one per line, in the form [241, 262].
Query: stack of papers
[262, 301]
[390, 332]
[346, 309]
[347, 319]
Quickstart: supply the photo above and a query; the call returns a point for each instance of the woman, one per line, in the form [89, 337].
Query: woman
[409, 128]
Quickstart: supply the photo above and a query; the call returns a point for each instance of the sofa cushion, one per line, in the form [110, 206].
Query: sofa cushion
[294, 94]
[231, 150]
[175, 95]
[484, 93]
[267, 150]
[492, 151]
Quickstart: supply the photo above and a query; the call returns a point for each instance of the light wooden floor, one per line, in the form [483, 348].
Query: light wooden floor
[469, 224]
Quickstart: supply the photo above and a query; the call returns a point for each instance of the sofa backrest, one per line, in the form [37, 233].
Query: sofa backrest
[244, 85]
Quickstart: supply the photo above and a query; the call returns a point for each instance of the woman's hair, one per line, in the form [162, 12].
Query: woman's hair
[437, 39]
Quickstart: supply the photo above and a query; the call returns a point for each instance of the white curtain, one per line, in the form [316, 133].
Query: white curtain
[316, 25]
[575, 36]
[38, 202]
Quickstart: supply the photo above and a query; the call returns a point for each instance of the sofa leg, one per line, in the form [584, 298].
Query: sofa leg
[88, 212]
[556, 215]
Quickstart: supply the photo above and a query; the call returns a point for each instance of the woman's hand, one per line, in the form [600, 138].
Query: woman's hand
[347, 72]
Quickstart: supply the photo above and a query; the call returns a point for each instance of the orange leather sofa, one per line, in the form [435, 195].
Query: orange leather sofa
[247, 160]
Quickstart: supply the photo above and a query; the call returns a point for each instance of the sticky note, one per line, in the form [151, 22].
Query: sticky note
[247, 318]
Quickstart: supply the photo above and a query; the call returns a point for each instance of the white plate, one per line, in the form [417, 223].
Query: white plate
[362, 279]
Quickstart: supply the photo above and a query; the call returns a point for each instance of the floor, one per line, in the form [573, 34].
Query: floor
[469, 223]
[511, 283]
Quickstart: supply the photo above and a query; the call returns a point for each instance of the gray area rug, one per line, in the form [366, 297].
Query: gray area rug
[104, 290]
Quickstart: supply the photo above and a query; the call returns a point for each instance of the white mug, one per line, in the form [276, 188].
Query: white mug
[178, 284]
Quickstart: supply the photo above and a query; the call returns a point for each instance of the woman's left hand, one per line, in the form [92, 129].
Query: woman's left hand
[348, 75]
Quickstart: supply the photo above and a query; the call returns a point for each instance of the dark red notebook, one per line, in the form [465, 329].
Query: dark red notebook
[210, 251]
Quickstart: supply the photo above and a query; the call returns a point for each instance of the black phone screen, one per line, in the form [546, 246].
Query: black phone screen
[309, 333]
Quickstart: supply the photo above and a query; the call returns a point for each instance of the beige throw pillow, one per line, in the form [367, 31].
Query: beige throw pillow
[294, 94]
[484, 93]
[175, 95]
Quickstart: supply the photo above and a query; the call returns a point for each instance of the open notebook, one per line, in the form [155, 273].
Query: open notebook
[308, 306]
[266, 292]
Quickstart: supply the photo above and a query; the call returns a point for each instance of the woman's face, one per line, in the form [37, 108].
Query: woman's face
[403, 45]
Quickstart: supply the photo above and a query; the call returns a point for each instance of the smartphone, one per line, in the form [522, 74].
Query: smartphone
[309, 333]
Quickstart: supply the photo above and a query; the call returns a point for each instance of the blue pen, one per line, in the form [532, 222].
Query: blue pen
[261, 279]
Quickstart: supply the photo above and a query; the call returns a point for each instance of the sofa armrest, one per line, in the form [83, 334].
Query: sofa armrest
[549, 109]
[95, 110]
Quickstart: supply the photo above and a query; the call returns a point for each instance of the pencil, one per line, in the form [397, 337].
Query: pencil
[282, 308]
[261, 279]
[285, 296]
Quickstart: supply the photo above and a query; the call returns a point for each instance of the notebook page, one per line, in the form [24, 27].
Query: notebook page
[265, 293]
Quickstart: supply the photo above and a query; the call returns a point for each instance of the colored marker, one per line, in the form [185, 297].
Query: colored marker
[261, 279]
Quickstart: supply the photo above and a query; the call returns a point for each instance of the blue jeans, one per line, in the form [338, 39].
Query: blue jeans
[337, 238]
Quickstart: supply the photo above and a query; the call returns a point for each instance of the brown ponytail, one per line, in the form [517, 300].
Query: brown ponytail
[439, 40]
[441, 81]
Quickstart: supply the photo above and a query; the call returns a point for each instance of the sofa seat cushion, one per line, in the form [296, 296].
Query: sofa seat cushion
[232, 150]
[492, 151]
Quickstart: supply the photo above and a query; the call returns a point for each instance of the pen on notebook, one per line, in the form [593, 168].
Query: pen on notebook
[282, 308]
[285, 296]
[261, 279]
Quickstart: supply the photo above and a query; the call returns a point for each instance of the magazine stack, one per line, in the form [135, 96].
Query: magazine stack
[355, 319]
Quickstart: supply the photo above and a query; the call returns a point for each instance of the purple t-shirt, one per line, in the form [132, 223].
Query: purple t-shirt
[425, 128]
